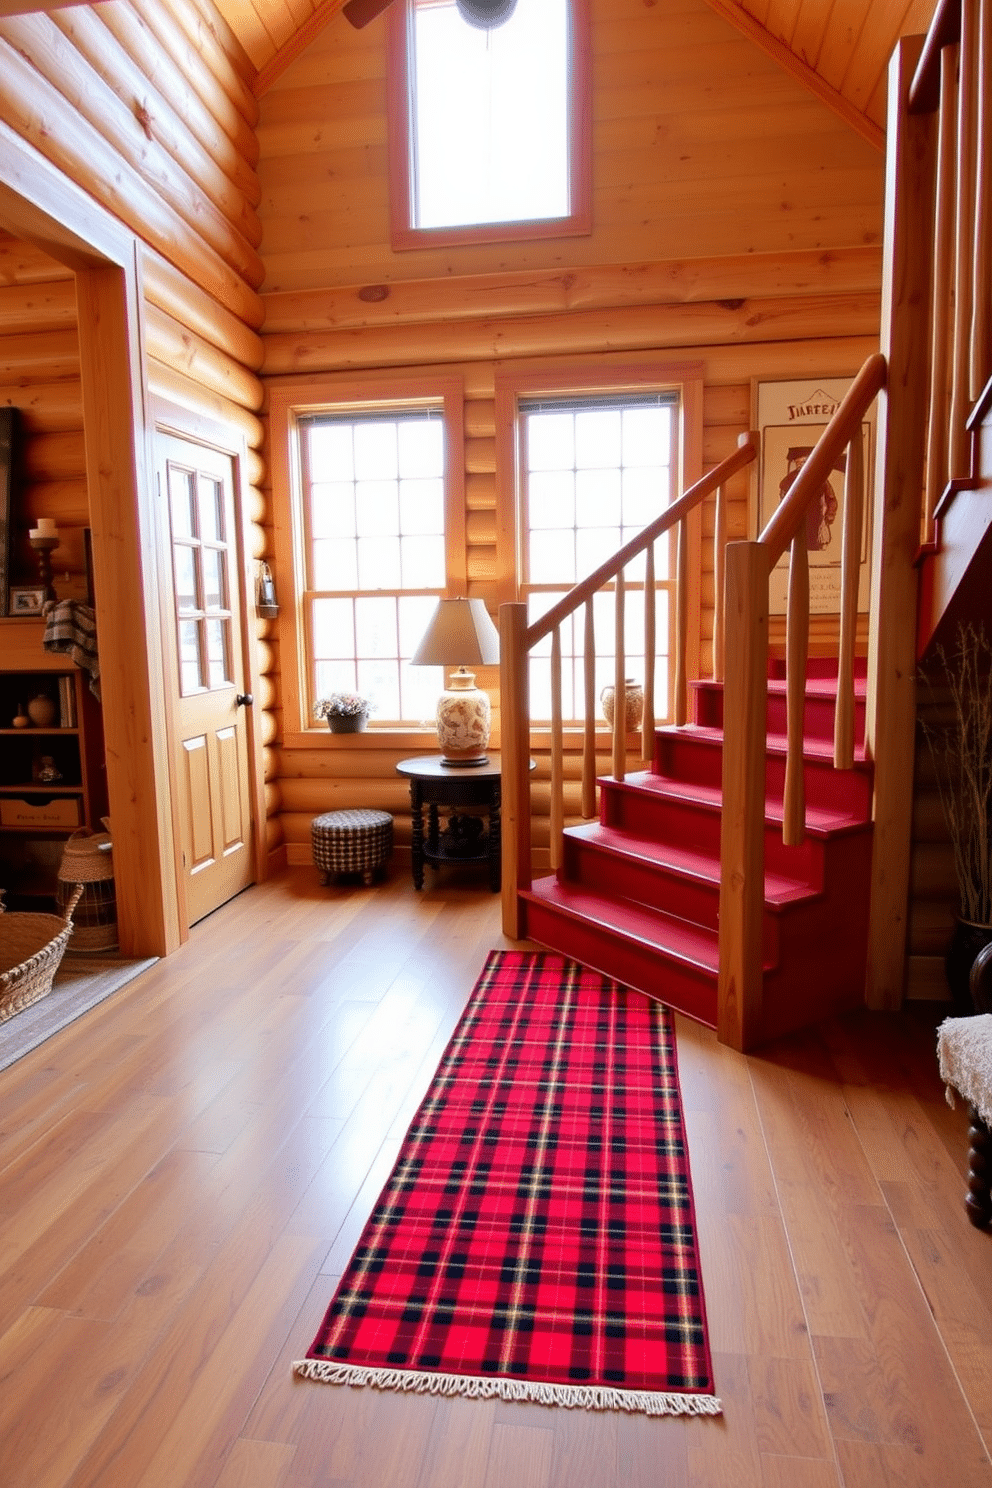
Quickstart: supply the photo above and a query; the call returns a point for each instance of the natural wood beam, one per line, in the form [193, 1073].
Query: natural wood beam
[593, 287]
[777, 50]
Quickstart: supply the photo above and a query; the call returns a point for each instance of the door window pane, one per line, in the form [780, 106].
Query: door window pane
[211, 517]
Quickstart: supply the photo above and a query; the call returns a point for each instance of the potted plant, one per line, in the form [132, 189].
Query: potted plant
[959, 733]
[346, 712]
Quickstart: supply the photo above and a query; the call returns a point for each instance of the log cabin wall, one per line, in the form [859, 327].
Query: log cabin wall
[39, 375]
[148, 108]
[736, 223]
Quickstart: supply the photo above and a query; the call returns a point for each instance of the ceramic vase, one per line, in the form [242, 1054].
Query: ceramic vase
[634, 703]
[966, 942]
[42, 711]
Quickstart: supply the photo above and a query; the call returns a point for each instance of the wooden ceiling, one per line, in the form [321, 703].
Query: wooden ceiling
[838, 48]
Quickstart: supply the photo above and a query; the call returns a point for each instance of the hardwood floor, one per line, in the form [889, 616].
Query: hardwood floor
[184, 1172]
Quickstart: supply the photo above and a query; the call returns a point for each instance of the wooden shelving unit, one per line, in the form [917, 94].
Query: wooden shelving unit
[37, 815]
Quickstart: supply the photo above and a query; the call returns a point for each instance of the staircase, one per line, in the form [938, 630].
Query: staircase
[684, 887]
[637, 893]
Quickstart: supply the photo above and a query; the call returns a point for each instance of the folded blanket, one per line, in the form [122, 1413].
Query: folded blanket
[70, 629]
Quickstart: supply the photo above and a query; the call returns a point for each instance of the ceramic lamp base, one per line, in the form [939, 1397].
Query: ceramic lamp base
[463, 721]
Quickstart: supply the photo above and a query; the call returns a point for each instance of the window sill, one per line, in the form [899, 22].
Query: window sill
[425, 740]
[371, 738]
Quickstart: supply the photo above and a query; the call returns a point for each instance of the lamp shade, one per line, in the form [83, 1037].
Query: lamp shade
[461, 632]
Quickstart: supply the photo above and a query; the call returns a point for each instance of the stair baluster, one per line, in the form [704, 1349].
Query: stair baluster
[853, 525]
[647, 717]
[589, 719]
[557, 812]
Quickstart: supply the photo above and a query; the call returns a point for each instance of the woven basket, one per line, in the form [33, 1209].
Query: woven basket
[31, 947]
[87, 859]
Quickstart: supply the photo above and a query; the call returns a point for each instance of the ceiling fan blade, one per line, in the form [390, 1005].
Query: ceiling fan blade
[361, 12]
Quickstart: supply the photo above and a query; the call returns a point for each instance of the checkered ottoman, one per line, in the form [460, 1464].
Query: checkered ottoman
[351, 842]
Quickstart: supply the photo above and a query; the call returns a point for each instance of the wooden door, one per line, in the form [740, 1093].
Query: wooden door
[208, 672]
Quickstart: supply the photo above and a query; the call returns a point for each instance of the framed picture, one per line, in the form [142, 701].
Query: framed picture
[790, 417]
[26, 601]
[7, 420]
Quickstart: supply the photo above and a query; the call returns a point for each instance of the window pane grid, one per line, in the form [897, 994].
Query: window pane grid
[596, 472]
[375, 555]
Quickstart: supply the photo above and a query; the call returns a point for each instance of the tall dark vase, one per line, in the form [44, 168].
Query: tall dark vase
[966, 942]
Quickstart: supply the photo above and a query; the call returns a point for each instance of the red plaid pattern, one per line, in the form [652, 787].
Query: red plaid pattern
[538, 1225]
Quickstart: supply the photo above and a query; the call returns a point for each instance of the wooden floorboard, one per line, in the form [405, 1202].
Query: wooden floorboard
[185, 1170]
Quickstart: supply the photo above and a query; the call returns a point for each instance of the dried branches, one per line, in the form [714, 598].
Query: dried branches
[962, 753]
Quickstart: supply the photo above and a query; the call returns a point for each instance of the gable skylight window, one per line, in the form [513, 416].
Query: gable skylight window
[490, 144]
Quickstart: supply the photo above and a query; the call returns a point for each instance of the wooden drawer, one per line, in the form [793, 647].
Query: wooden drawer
[58, 811]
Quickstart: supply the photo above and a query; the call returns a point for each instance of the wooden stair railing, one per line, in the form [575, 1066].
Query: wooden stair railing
[749, 567]
[518, 639]
[953, 80]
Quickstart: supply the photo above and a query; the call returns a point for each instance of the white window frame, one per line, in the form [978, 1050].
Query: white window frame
[289, 403]
[403, 233]
[572, 382]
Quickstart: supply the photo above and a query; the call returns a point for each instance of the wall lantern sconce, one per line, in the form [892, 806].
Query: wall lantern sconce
[266, 605]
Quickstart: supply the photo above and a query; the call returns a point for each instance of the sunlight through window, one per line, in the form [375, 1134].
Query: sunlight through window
[490, 115]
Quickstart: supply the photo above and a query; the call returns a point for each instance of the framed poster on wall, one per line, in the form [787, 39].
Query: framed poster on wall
[7, 418]
[790, 417]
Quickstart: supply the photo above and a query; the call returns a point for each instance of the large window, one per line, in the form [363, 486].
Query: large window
[379, 523]
[489, 128]
[595, 470]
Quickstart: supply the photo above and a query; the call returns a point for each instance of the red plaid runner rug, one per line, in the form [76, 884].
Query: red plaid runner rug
[536, 1239]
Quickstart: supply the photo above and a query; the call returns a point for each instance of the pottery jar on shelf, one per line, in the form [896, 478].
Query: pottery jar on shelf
[42, 711]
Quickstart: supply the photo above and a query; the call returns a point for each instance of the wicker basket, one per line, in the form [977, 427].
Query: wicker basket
[31, 947]
[87, 859]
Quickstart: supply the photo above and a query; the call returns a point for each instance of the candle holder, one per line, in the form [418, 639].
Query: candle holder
[43, 546]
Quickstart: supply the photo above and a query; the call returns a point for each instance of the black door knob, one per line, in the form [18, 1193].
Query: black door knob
[244, 699]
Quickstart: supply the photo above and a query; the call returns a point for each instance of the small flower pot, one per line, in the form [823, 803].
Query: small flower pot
[347, 723]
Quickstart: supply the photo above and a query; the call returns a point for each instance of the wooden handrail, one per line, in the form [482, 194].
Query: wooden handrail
[746, 451]
[790, 515]
[517, 641]
[945, 30]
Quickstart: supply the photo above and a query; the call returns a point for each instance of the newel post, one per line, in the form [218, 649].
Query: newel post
[515, 752]
[899, 483]
[742, 856]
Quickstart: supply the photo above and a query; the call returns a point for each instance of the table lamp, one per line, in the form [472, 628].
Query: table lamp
[461, 634]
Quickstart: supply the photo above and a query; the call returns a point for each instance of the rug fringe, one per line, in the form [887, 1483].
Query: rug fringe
[576, 1397]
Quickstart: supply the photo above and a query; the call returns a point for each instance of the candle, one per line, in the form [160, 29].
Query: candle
[46, 528]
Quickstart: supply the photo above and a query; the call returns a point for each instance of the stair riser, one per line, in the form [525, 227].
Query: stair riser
[688, 825]
[818, 720]
[824, 952]
[623, 876]
[688, 990]
[681, 756]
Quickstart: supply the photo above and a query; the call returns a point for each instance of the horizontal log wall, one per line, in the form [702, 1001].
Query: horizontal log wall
[147, 107]
[39, 375]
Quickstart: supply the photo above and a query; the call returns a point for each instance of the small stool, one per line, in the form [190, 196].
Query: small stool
[964, 1052]
[351, 842]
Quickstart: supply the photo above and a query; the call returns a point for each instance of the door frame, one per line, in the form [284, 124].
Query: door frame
[43, 206]
[177, 422]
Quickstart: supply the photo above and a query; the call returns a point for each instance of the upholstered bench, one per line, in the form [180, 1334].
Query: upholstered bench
[964, 1049]
[358, 841]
